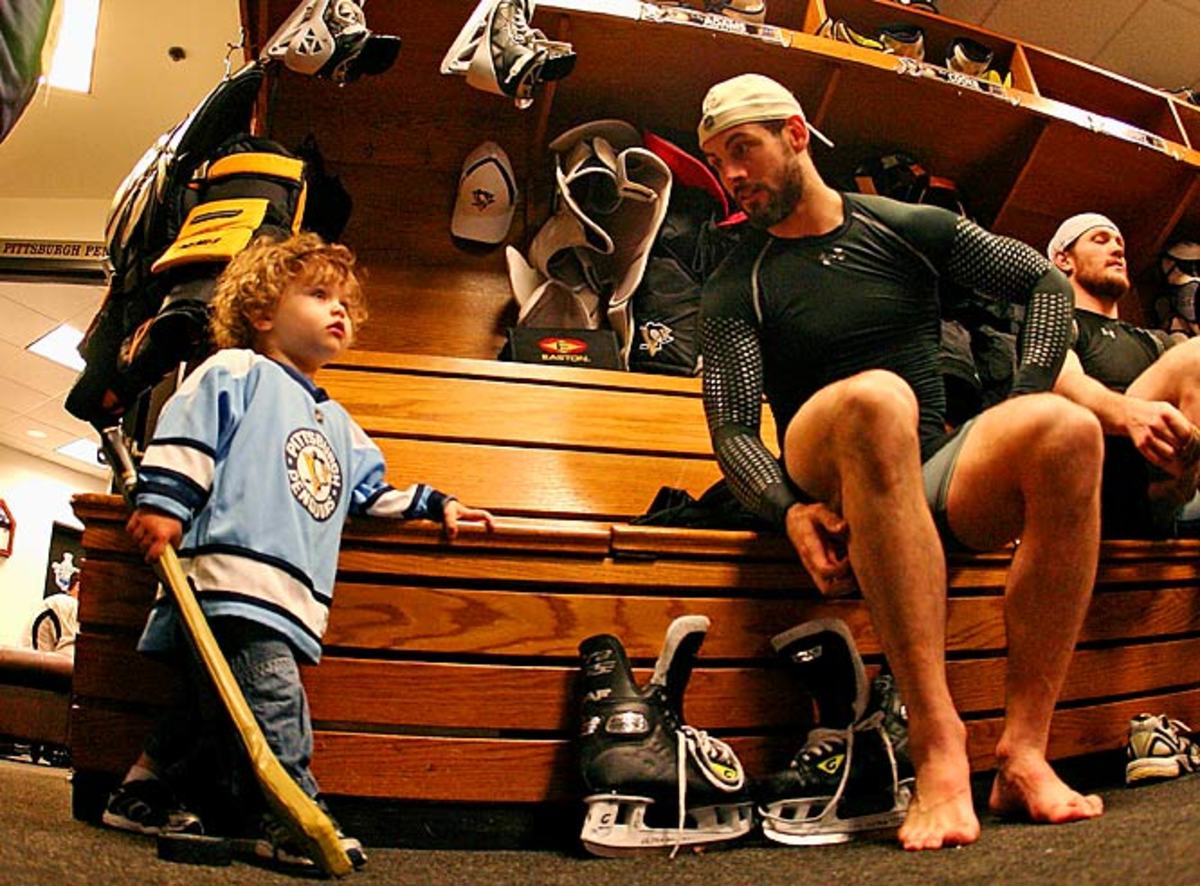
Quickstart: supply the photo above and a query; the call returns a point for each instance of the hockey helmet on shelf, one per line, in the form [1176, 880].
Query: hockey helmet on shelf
[907, 41]
[1180, 267]
[896, 175]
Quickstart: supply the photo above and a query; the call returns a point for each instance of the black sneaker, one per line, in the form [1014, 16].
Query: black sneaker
[278, 845]
[149, 806]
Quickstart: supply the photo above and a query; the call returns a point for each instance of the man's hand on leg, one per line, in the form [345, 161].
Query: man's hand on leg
[820, 537]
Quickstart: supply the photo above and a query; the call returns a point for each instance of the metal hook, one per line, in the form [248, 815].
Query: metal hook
[230, 48]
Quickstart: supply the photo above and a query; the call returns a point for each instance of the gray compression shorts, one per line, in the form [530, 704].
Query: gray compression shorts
[937, 472]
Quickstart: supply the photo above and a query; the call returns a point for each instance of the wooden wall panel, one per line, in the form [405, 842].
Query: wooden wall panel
[474, 770]
[444, 697]
[547, 482]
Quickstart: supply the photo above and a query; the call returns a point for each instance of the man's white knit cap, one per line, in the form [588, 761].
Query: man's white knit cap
[748, 98]
[1074, 228]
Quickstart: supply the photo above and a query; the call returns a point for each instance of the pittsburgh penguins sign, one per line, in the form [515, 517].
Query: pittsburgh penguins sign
[314, 475]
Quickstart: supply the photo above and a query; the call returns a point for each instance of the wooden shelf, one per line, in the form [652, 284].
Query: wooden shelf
[1103, 94]
[1189, 120]
[1067, 138]
[868, 17]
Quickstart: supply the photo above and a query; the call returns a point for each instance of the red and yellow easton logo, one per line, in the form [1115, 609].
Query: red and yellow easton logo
[556, 345]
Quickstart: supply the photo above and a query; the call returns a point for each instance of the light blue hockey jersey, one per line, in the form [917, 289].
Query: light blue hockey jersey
[262, 468]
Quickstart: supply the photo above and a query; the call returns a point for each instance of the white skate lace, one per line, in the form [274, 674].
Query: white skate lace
[523, 32]
[710, 748]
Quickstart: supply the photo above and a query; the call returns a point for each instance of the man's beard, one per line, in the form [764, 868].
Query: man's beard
[1106, 285]
[780, 202]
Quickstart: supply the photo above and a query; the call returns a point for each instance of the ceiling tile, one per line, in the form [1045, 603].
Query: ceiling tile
[52, 413]
[81, 320]
[6, 416]
[96, 470]
[1153, 54]
[21, 326]
[34, 371]
[48, 437]
[972, 11]
[59, 301]
[18, 397]
[51, 456]
[1061, 26]
[25, 445]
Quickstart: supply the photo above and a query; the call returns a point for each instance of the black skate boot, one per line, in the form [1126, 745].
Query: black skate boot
[655, 782]
[330, 39]
[500, 53]
[853, 774]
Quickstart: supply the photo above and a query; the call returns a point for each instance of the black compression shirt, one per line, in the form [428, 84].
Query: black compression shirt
[1112, 351]
[786, 317]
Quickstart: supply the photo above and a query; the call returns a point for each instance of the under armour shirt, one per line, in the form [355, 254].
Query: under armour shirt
[787, 317]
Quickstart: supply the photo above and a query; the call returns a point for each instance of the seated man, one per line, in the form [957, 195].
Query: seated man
[831, 308]
[56, 622]
[1146, 396]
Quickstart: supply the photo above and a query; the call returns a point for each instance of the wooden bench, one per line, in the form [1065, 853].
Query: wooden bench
[447, 682]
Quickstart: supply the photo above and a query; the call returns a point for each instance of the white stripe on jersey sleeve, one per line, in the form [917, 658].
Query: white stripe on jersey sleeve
[394, 502]
[186, 460]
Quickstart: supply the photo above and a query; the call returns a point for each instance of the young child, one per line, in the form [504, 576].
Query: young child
[251, 474]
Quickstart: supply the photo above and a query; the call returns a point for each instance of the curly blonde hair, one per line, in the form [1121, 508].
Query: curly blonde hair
[252, 284]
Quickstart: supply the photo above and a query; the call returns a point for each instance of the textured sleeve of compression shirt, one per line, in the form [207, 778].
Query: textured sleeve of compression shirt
[733, 392]
[1010, 269]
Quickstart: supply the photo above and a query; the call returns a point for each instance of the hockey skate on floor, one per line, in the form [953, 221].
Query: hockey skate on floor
[656, 783]
[853, 775]
[500, 53]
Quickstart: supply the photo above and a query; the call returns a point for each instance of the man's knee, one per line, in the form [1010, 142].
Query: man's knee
[1185, 367]
[1062, 437]
[877, 402]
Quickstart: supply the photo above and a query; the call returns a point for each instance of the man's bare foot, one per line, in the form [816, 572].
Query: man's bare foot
[941, 813]
[1029, 788]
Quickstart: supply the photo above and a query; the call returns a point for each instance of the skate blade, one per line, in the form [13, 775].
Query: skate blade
[827, 828]
[615, 827]
[458, 56]
[828, 833]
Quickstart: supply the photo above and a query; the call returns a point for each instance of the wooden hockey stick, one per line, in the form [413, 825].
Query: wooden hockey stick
[305, 819]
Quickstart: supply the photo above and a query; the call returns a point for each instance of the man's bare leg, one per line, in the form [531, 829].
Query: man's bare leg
[1175, 378]
[855, 446]
[1031, 467]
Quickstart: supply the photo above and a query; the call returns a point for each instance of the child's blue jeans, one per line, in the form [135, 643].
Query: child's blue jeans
[264, 665]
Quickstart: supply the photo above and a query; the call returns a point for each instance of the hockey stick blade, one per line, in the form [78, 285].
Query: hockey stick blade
[307, 822]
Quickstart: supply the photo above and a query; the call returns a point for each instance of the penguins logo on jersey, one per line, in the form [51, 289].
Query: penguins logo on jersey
[655, 337]
[314, 475]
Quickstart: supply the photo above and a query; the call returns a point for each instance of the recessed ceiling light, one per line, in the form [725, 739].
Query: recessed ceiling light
[81, 449]
[37, 435]
[61, 345]
[71, 64]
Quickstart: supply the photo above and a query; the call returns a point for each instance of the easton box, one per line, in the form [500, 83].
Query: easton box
[564, 347]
